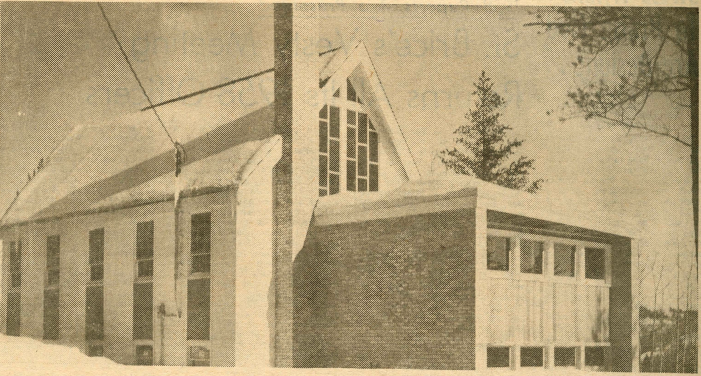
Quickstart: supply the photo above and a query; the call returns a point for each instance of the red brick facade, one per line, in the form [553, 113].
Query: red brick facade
[387, 293]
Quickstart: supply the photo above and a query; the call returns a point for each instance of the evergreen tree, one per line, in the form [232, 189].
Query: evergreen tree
[482, 149]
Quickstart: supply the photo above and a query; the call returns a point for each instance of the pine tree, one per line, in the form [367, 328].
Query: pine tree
[487, 150]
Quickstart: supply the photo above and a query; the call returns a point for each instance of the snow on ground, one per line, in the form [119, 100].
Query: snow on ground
[24, 356]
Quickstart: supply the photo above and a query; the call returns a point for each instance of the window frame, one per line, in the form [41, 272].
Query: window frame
[137, 260]
[101, 263]
[191, 256]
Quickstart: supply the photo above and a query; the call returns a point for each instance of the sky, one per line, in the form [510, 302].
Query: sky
[60, 68]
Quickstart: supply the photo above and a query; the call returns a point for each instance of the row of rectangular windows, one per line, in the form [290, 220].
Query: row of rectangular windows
[197, 356]
[534, 356]
[198, 289]
[532, 252]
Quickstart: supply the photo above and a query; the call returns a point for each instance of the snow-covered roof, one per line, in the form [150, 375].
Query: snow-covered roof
[459, 191]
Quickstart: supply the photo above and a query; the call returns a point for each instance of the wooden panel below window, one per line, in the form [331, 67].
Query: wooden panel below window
[565, 313]
[14, 312]
[143, 311]
[51, 315]
[499, 328]
[597, 314]
[530, 310]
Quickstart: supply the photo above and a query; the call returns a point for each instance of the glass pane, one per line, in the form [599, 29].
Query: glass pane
[498, 249]
[334, 156]
[350, 176]
[51, 317]
[16, 279]
[142, 311]
[565, 356]
[94, 317]
[53, 251]
[362, 185]
[322, 192]
[531, 356]
[145, 268]
[96, 245]
[323, 114]
[334, 122]
[323, 171]
[362, 128]
[595, 263]
[323, 137]
[362, 161]
[498, 356]
[95, 350]
[14, 312]
[96, 272]
[350, 144]
[595, 356]
[198, 309]
[532, 257]
[53, 277]
[337, 93]
[333, 183]
[200, 263]
[373, 147]
[200, 233]
[350, 117]
[144, 240]
[351, 91]
[564, 259]
[144, 355]
[374, 178]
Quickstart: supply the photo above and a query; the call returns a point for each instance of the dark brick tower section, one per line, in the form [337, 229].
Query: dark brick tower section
[621, 305]
[387, 293]
[282, 186]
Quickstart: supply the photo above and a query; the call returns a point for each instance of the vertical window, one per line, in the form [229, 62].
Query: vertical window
[565, 256]
[532, 257]
[595, 263]
[97, 251]
[498, 250]
[200, 242]
[350, 92]
[51, 290]
[198, 356]
[143, 311]
[531, 356]
[198, 309]
[51, 315]
[329, 150]
[15, 264]
[374, 158]
[94, 314]
[565, 356]
[498, 357]
[53, 260]
[144, 355]
[13, 318]
[144, 249]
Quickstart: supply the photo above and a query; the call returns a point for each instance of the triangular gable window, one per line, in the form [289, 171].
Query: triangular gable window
[337, 94]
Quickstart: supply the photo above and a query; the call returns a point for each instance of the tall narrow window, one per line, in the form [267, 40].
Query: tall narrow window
[51, 289]
[15, 264]
[53, 260]
[144, 249]
[94, 293]
[374, 178]
[498, 250]
[142, 310]
[198, 309]
[94, 313]
[97, 250]
[532, 256]
[13, 318]
[329, 150]
[200, 243]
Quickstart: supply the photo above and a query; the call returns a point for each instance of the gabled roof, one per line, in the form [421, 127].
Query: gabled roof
[459, 191]
[100, 164]
[130, 160]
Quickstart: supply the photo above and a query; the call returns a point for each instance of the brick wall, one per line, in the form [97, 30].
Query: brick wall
[389, 293]
[621, 305]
